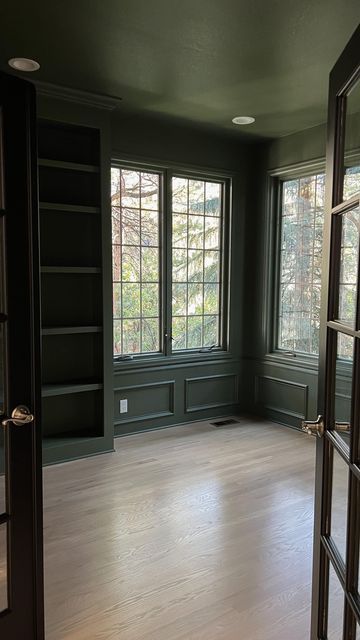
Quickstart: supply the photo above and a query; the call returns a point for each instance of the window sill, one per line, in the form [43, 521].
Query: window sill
[172, 360]
[294, 360]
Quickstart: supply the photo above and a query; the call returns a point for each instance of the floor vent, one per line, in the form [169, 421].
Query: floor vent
[222, 423]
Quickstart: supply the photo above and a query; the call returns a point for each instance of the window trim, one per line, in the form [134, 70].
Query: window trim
[275, 179]
[167, 170]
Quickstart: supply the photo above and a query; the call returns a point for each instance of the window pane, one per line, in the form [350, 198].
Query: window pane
[335, 607]
[194, 332]
[179, 299]
[131, 300]
[179, 266]
[135, 198]
[349, 257]
[196, 258]
[180, 195]
[339, 502]
[351, 182]
[179, 230]
[149, 228]
[150, 191]
[131, 336]
[130, 226]
[179, 333]
[211, 266]
[150, 300]
[196, 232]
[150, 335]
[352, 185]
[302, 216]
[211, 330]
[212, 233]
[150, 264]
[130, 264]
[212, 199]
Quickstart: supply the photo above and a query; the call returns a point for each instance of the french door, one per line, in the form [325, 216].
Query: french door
[336, 586]
[21, 582]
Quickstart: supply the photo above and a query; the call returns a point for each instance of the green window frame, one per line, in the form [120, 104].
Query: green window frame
[187, 222]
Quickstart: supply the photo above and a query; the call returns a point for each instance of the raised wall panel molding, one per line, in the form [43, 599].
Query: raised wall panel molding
[131, 392]
[296, 403]
[78, 96]
[228, 394]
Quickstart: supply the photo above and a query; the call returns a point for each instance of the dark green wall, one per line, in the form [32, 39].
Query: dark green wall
[297, 148]
[284, 388]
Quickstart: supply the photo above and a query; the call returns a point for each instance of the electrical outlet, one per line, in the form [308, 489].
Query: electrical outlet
[123, 405]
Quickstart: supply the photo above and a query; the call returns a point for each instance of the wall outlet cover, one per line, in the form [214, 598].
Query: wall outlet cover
[123, 405]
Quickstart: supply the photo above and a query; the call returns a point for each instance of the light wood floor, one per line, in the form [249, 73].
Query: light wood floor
[183, 534]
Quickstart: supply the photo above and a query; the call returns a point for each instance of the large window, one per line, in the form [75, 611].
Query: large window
[168, 262]
[302, 219]
[299, 284]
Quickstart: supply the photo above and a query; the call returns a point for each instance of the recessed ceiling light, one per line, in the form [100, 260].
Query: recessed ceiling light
[23, 64]
[243, 120]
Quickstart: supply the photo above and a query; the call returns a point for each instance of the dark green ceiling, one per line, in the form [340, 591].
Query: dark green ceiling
[203, 61]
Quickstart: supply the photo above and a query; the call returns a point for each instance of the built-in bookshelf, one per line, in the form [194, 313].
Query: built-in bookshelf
[72, 281]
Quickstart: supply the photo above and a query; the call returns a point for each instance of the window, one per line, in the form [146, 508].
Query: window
[196, 261]
[135, 199]
[302, 219]
[168, 262]
[299, 284]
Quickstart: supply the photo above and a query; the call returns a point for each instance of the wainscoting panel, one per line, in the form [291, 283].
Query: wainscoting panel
[284, 398]
[145, 401]
[207, 392]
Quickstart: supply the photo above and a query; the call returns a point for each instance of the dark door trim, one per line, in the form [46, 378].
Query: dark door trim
[24, 617]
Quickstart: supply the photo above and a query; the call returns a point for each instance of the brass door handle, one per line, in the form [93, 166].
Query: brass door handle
[314, 427]
[21, 415]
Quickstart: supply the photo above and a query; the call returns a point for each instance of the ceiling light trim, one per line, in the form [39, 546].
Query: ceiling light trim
[243, 120]
[26, 65]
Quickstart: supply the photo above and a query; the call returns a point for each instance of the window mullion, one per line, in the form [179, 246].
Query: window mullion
[167, 262]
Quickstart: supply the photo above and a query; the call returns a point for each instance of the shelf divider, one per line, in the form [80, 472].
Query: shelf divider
[72, 166]
[67, 208]
[67, 389]
[57, 331]
[79, 270]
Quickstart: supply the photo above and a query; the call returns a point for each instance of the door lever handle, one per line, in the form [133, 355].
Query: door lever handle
[21, 415]
[314, 427]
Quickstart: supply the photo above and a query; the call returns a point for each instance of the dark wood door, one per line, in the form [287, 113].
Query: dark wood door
[336, 600]
[21, 581]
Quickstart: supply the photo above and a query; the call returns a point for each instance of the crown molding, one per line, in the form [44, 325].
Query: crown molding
[76, 95]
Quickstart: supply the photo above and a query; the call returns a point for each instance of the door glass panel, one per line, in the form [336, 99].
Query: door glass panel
[3, 567]
[336, 607]
[352, 143]
[343, 386]
[339, 502]
[349, 257]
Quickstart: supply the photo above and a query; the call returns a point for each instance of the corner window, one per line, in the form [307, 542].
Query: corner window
[301, 235]
[301, 222]
[169, 271]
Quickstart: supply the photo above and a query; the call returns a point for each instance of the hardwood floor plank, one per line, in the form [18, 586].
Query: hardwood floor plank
[187, 533]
